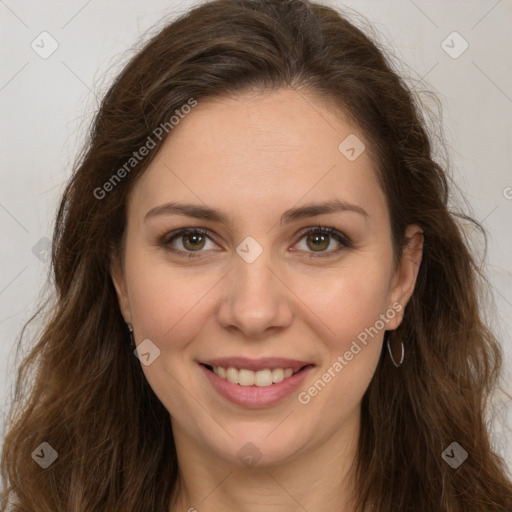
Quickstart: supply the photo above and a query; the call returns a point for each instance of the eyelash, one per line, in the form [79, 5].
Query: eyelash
[167, 238]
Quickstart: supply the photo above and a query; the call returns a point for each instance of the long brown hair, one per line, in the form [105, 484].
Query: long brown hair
[82, 391]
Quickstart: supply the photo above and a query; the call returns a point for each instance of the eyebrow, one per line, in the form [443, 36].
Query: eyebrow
[293, 214]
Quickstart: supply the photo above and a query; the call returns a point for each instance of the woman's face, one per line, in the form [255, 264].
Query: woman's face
[264, 290]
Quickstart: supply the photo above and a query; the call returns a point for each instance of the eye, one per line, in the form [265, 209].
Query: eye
[192, 241]
[320, 238]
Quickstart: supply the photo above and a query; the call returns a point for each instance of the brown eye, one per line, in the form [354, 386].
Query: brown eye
[319, 239]
[187, 242]
[193, 241]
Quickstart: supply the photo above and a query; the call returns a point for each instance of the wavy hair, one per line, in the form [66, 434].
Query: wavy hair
[80, 388]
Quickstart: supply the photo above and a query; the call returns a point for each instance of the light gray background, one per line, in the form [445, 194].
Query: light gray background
[46, 105]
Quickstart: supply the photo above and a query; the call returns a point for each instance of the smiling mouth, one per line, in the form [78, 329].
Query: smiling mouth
[260, 378]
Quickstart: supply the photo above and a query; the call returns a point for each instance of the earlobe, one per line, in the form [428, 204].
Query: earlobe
[406, 274]
[118, 278]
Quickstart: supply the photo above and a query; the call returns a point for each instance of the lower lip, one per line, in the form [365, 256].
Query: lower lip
[254, 396]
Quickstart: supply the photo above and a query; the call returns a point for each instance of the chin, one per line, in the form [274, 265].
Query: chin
[260, 449]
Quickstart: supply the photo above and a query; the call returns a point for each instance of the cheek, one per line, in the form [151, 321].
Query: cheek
[160, 296]
[169, 308]
[351, 308]
[348, 301]
[351, 305]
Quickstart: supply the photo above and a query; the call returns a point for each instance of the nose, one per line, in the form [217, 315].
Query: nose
[255, 298]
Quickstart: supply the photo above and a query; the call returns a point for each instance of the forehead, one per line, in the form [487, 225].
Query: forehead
[258, 152]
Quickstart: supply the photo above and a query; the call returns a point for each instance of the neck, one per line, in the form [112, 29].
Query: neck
[317, 478]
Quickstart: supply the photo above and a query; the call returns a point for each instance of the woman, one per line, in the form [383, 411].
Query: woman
[263, 302]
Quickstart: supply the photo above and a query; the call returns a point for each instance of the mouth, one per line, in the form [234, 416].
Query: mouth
[255, 383]
[260, 378]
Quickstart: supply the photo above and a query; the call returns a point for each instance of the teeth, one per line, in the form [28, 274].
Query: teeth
[232, 375]
[261, 378]
[245, 378]
[277, 375]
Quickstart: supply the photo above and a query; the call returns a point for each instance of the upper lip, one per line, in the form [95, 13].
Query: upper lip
[257, 364]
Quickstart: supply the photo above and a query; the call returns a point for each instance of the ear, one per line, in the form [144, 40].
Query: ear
[118, 278]
[404, 278]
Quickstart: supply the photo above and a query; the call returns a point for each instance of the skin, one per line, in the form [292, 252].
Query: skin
[255, 156]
